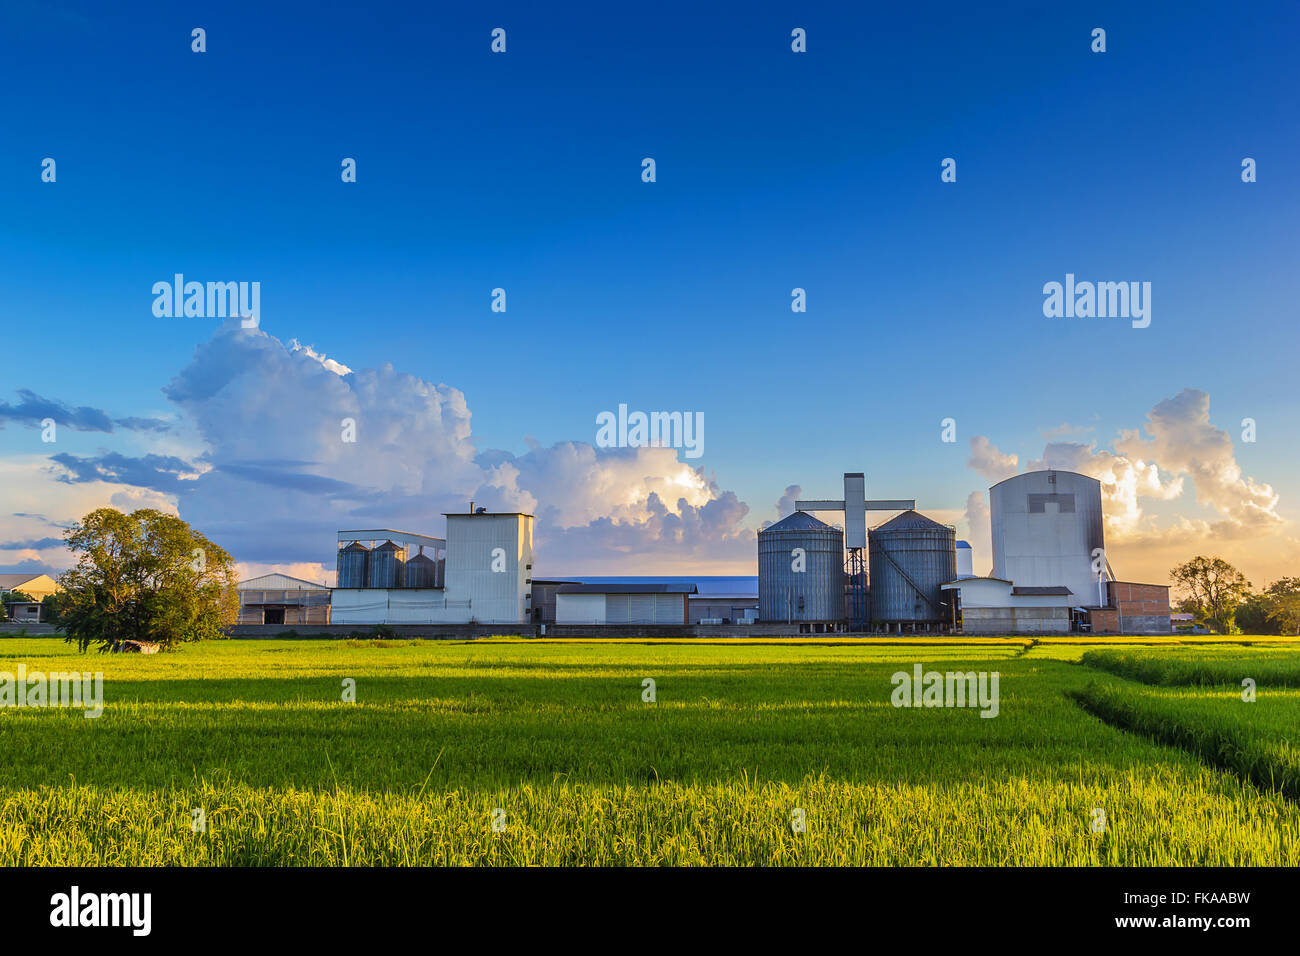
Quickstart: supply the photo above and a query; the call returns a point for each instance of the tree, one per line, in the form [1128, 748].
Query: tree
[1283, 598]
[146, 576]
[50, 607]
[1253, 615]
[1215, 587]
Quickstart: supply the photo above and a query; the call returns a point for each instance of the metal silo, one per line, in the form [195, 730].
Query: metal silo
[352, 565]
[801, 588]
[910, 557]
[421, 571]
[1046, 525]
[386, 565]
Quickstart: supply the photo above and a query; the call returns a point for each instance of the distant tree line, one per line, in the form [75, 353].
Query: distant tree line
[1224, 601]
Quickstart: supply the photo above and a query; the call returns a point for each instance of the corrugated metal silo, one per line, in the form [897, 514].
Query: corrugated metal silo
[421, 572]
[910, 557]
[815, 593]
[353, 564]
[1046, 525]
[386, 565]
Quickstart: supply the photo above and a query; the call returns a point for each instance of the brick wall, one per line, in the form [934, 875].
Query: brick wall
[1142, 608]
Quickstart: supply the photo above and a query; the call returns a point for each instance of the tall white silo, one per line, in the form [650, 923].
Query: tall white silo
[1046, 525]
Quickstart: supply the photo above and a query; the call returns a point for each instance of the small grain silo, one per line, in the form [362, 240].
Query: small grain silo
[421, 571]
[353, 565]
[387, 562]
[911, 556]
[801, 571]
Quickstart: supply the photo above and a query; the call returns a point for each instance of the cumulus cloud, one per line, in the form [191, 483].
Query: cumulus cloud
[1124, 481]
[297, 445]
[1179, 446]
[989, 461]
[1181, 438]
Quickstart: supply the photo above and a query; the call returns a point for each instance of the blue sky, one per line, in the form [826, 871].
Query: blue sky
[775, 170]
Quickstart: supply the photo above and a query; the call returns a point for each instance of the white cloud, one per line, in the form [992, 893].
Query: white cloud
[989, 461]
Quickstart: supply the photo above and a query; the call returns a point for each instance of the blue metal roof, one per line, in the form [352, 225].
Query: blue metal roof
[729, 586]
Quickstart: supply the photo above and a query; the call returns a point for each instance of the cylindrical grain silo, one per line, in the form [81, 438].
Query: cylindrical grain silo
[386, 565]
[910, 557]
[353, 565]
[421, 571]
[801, 571]
[1046, 526]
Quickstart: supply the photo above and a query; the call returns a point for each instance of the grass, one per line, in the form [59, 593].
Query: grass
[1208, 667]
[556, 735]
[1197, 702]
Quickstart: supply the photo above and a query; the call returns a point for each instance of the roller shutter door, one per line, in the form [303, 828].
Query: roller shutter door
[616, 609]
[668, 608]
[641, 608]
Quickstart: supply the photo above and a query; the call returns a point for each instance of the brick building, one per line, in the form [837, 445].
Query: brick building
[1133, 609]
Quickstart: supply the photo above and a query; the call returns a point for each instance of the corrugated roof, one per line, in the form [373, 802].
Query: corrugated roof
[662, 587]
[1055, 590]
[278, 582]
[911, 521]
[799, 521]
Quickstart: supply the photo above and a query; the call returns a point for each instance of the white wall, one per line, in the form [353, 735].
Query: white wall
[500, 597]
[988, 592]
[396, 606]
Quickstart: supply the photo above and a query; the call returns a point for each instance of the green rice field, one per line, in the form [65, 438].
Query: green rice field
[521, 752]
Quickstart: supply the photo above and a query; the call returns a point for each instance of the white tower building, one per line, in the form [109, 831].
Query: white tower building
[1046, 527]
[490, 565]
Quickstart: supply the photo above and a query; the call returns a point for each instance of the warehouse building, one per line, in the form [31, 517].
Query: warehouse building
[623, 603]
[281, 599]
[717, 599]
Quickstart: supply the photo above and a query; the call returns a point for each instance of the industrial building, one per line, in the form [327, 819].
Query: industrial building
[481, 573]
[908, 574]
[1050, 570]
[281, 599]
[623, 603]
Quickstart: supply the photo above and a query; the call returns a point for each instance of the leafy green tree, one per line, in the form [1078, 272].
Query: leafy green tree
[1216, 588]
[146, 576]
[1284, 605]
[50, 608]
[1253, 615]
